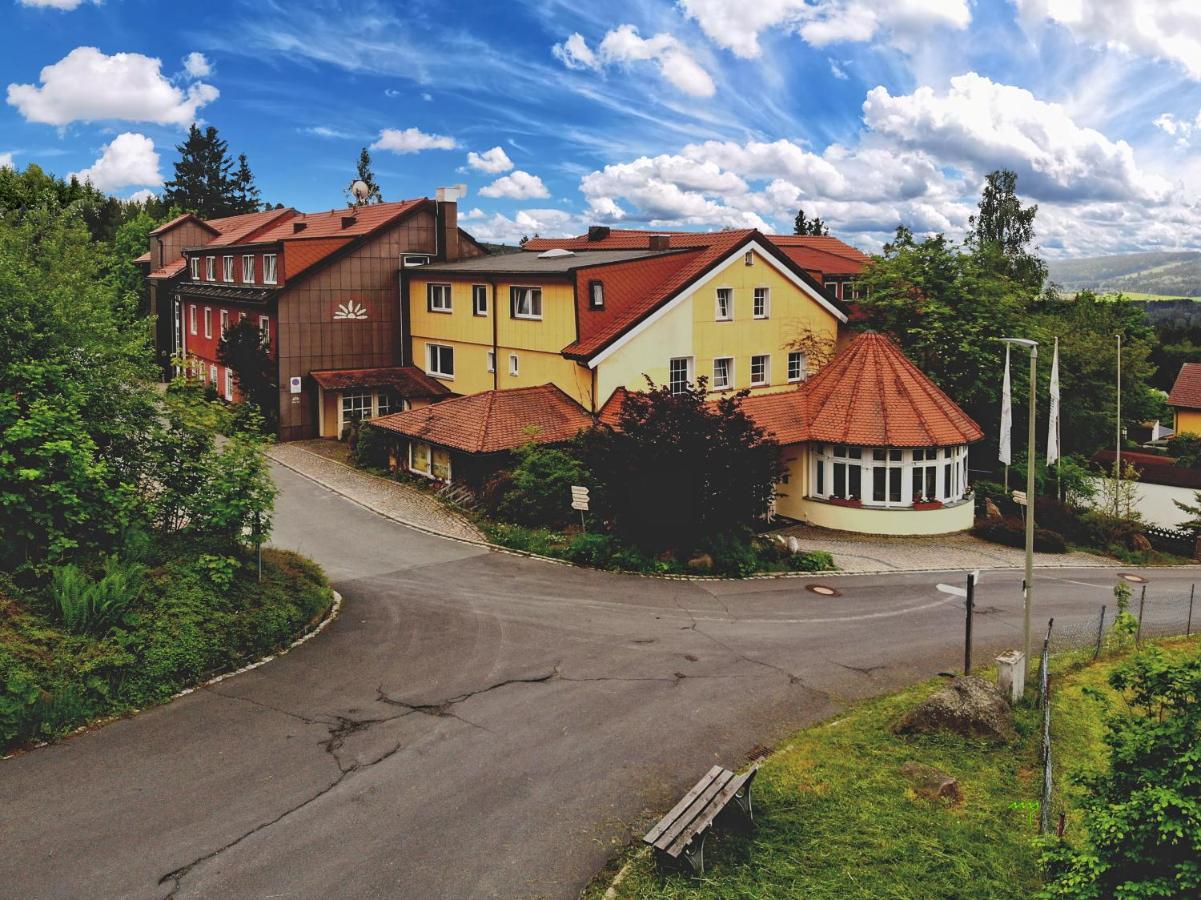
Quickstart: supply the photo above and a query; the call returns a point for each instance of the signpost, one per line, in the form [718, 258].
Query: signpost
[968, 595]
[579, 500]
[1019, 497]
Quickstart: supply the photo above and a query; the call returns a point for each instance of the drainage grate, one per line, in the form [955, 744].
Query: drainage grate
[822, 589]
[1130, 576]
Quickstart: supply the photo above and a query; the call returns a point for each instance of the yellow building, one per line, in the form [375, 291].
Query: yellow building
[594, 315]
[1185, 400]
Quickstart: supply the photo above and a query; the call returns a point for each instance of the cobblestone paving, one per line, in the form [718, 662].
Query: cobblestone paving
[863, 553]
[393, 499]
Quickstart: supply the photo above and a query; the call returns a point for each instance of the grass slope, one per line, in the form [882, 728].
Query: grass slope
[837, 819]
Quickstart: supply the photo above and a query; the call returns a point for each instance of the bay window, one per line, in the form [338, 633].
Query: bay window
[889, 476]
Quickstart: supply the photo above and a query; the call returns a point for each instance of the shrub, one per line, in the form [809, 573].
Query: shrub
[1012, 533]
[812, 561]
[371, 448]
[1052, 514]
[733, 555]
[1105, 530]
[539, 489]
[89, 606]
[591, 550]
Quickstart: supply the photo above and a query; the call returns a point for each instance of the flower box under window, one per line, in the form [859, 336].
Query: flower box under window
[927, 504]
[852, 502]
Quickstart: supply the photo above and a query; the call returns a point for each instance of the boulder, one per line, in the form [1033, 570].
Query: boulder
[932, 783]
[702, 562]
[968, 706]
[991, 510]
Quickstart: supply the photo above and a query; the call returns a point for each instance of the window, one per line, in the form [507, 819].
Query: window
[265, 329]
[192, 319]
[890, 477]
[797, 365]
[248, 269]
[409, 261]
[491, 360]
[525, 302]
[229, 384]
[355, 407]
[596, 294]
[268, 268]
[437, 298]
[212, 375]
[749, 258]
[441, 360]
[725, 304]
[762, 303]
[208, 322]
[420, 458]
[512, 363]
[210, 266]
[679, 374]
[227, 268]
[383, 404]
[194, 266]
[224, 321]
[723, 373]
[479, 299]
[760, 370]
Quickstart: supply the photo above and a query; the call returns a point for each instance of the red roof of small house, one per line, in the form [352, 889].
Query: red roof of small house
[493, 421]
[781, 414]
[1186, 391]
[170, 270]
[409, 382]
[144, 258]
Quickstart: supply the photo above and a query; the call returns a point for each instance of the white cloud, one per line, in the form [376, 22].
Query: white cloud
[736, 24]
[526, 223]
[491, 161]
[6, 161]
[984, 125]
[142, 196]
[517, 185]
[1162, 29]
[53, 4]
[623, 46]
[129, 160]
[326, 132]
[411, 140]
[837, 70]
[197, 65]
[87, 85]
[428, 98]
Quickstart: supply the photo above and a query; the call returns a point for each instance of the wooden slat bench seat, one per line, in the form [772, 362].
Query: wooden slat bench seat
[681, 833]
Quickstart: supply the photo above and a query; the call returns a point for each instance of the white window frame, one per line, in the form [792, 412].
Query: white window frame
[532, 292]
[514, 367]
[194, 267]
[729, 373]
[270, 276]
[223, 318]
[717, 311]
[950, 464]
[479, 300]
[192, 318]
[438, 297]
[265, 329]
[431, 355]
[765, 293]
[208, 322]
[248, 268]
[491, 360]
[688, 373]
[210, 268]
[368, 410]
[802, 360]
[212, 374]
[229, 384]
[596, 294]
[766, 379]
[227, 268]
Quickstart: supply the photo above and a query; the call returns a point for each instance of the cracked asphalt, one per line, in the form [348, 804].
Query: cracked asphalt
[475, 724]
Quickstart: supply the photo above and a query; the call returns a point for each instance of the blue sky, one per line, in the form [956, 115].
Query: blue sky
[694, 114]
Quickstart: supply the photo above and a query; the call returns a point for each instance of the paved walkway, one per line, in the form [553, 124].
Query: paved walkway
[396, 500]
[868, 553]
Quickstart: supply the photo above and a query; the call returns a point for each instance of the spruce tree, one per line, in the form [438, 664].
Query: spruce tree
[203, 183]
[246, 193]
[366, 176]
[803, 225]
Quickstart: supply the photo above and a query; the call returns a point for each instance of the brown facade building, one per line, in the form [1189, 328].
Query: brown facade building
[324, 289]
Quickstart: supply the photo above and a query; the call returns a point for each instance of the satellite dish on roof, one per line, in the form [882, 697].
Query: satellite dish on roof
[360, 190]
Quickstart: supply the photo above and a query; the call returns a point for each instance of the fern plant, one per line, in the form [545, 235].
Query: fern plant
[89, 606]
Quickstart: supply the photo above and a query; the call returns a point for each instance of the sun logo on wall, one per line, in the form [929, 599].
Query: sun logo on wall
[352, 309]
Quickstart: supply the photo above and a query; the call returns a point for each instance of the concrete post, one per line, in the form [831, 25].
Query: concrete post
[1011, 674]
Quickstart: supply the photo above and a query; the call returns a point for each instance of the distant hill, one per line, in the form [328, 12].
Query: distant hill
[1168, 274]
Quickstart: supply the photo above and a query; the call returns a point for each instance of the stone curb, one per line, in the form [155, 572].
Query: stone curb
[497, 548]
[332, 613]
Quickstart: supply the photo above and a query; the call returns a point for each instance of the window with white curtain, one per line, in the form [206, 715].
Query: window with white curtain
[889, 476]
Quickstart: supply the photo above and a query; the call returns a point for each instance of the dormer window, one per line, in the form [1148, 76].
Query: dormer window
[248, 269]
[210, 268]
[596, 294]
[194, 266]
[268, 268]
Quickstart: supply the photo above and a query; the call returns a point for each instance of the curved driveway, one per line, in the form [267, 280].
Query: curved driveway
[475, 724]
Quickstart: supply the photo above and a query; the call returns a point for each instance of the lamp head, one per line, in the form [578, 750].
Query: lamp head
[1020, 342]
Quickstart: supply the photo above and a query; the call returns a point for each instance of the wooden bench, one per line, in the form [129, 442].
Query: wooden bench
[681, 833]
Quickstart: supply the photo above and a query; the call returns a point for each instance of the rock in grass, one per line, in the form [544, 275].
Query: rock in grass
[932, 783]
[968, 706]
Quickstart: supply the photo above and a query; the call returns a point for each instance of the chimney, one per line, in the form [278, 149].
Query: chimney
[298, 227]
[660, 242]
[598, 232]
[448, 221]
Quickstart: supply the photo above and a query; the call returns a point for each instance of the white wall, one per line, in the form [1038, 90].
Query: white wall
[1154, 502]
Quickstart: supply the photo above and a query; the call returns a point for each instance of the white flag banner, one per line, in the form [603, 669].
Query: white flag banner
[1003, 452]
[1053, 422]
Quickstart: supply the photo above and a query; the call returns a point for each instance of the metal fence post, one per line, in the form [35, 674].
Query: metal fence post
[1142, 601]
[1188, 629]
[1100, 632]
[967, 637]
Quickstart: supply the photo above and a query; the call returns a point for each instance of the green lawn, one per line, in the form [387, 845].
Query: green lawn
[1136, 295]
[837, 819]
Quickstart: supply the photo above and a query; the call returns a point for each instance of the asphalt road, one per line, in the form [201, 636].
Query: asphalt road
[475, 724]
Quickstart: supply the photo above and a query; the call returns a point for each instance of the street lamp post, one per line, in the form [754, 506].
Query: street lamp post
[1028, 585]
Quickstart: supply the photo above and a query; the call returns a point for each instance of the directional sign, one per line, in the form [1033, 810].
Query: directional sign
[1019, 497]
[579, 498]
[958, 591]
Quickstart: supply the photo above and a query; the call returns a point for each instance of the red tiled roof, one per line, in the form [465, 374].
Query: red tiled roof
[329, 224]
[167, 226]
[170, 270]
[815, 259]
[245, 228]
[610, 413]
[782, 415]
[1186, 391]
[408, 381]
[144, 258]
[493, 421]
[300, 255]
